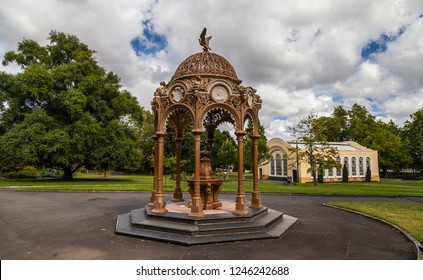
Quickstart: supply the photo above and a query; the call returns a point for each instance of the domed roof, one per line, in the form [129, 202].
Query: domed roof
[205, 64]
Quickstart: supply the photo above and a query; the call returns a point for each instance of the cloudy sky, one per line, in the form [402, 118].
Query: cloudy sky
[300, 55]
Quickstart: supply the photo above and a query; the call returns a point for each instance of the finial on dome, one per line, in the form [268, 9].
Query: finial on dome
[204, 41]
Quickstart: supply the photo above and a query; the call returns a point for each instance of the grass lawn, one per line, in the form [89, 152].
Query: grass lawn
[406, 215]
[91, 182]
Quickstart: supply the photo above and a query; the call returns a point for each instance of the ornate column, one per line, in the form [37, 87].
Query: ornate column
[156, 160]
[240, 205]
[177, 195]
[197, 206]
[210, 143]
[255, 200]
[159, 201]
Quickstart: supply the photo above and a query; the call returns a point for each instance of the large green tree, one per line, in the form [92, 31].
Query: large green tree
[62, 110]
[413, 135]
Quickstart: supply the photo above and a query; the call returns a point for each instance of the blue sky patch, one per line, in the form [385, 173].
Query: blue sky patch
[338, 98]
[150, 42]
[379, 45]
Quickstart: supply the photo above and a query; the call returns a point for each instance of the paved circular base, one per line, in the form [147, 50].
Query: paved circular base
[219, 225]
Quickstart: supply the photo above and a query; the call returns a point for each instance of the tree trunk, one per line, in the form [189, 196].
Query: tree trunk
[68, 173]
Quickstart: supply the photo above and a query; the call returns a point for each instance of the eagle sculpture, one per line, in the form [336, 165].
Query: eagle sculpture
[204, 41]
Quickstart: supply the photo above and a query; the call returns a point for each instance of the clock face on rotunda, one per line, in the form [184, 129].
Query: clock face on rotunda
[219, 93]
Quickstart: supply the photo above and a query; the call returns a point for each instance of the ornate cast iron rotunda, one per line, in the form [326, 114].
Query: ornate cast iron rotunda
[204, 92]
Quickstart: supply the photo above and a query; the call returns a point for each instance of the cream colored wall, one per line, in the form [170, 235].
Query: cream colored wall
[276, 144]
[305, 177]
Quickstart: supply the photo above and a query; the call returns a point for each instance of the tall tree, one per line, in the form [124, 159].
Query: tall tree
[391, 150]
[314, 149]
[335, 127]
[65, 111]
[360, 124]
[413, 135]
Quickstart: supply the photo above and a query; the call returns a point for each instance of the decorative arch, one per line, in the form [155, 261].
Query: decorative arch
[234, 115]
[253, 118]
[178, 109]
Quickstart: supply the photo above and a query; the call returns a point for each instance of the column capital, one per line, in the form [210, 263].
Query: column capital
[240, 133]
[197, 131]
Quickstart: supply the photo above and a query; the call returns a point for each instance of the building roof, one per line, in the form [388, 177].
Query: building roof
[341, 146]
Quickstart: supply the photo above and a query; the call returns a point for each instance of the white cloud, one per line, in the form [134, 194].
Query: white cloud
[299, 54]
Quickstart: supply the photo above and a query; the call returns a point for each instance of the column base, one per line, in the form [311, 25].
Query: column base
[159, 205]
[177, 195]
[196, 208]
[152, 198]
[241, 208]
[256, 200]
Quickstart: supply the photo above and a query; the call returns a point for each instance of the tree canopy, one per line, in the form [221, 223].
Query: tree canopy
[314, 148]
[62, 110]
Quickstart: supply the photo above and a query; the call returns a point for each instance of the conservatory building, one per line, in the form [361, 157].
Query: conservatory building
[285, 165]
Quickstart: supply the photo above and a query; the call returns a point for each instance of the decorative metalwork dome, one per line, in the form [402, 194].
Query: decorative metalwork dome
[205, 64]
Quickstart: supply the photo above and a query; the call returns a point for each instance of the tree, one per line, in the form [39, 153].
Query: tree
[368, 174]
[315, 150]
[360, 124]
[345, 175]
[413, 136]
[220, 137]
[335, 127]
[228, 153]
[65, 111]
[145, 133]
[392, 152]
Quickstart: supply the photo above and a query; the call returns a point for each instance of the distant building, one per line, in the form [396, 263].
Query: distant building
[283, 164]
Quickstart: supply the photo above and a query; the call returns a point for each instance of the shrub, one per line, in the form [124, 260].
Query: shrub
[368, 174]
[345, 173]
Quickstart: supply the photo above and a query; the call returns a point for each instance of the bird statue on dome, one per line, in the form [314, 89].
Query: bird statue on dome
[204, 41]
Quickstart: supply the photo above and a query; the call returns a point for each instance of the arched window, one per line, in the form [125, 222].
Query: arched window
[278, 165]
[338, 170]
[285, 165]
[272, 165]
[368, 163]
[361, 166]
[346, 163]
[353, 166]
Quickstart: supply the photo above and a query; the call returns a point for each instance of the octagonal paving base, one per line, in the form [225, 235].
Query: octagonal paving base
[217, 226]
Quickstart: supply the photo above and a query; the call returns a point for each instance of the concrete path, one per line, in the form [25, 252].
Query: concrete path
[45, 225]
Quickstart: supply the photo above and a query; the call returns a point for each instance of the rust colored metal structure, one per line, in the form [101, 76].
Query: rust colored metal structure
[204, 92]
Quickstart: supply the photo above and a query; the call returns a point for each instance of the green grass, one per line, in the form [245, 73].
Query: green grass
[406, 215]
[90, 182]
